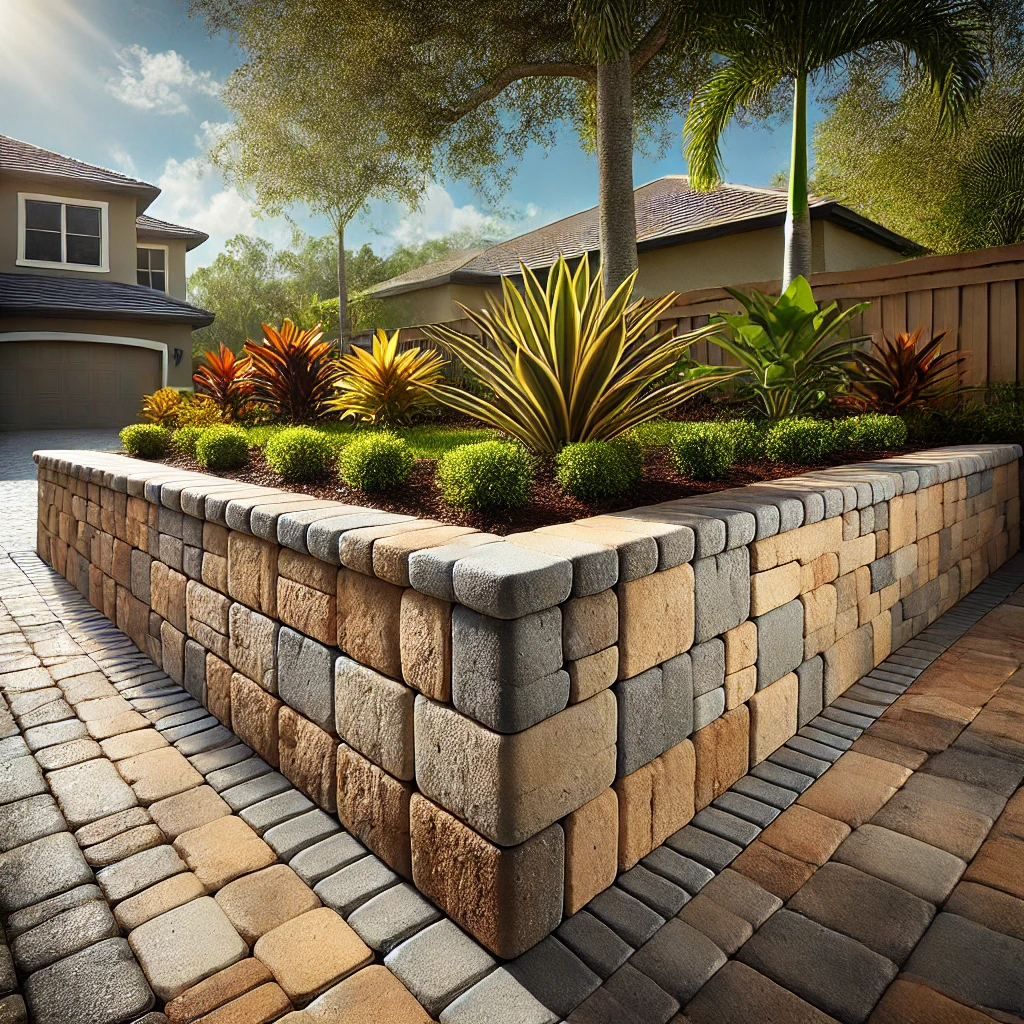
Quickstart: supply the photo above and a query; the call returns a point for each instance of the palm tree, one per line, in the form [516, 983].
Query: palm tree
[764, 44]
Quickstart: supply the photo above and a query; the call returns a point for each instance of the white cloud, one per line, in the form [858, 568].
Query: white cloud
[438, 216]
[158, 82]
[123, 160]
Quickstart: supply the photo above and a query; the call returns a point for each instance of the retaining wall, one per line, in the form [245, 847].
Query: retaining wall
[509, 722]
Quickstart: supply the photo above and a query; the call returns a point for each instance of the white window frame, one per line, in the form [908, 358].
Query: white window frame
[65, 201]
[167, 261]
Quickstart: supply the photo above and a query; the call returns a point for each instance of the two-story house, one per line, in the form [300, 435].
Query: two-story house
[92, 293]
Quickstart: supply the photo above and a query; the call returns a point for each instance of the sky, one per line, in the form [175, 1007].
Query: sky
[134, 85]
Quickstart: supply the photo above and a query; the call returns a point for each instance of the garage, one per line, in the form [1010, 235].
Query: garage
[56, 383]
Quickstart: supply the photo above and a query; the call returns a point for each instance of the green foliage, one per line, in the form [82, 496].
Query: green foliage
[789, 347]
[487, 477]
[198, 411]
[378, 461]
[1000, 420]
[592, 470]
[748, 438]
[300, 454]
[222, 447]
[145, 440]
[566, 365]
[870, 432]
[800, 440]
[185, 440]
[162, 407]
[704, 451]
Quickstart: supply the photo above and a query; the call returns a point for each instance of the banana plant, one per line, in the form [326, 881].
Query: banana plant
[564, 364]
[792, 350]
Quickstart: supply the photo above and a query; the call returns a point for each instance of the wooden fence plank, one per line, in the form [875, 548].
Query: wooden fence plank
[974, 332]
[1002, 331]
[894, 313]
[946, 316]
[919, 312]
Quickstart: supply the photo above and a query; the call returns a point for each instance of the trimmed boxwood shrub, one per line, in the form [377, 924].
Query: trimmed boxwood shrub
[748, 438]
[185, 440]
[800, 440]
[487, 476]
[592, 470]
[300, 454]
[145, 440]
[222, 448]
[874, 431]
[704, 451]
[380, 461]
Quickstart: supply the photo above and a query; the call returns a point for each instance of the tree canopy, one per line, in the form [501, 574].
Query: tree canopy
[880, 150]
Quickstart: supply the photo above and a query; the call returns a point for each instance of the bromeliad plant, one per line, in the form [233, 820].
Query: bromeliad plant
[294, 372]
[790, 348]
[566, 365]
[225, 378]
[386, 387]
[901, 374]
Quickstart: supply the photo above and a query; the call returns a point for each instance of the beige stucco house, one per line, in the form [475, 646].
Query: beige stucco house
[685, 240]
[92, 293]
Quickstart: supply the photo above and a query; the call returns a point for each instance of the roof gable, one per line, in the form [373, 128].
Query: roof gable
[152, 227]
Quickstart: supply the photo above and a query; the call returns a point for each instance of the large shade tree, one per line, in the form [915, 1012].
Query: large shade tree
[466, 88]
[766, 46]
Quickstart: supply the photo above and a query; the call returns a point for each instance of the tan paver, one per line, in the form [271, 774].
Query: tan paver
[188, 810]
[370, 996]
[158, 899]
[158, 774]
[215, 991]
[258, 903]
[222, 851]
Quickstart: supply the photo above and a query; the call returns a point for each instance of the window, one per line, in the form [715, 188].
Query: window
[151, 266]
[56, 232]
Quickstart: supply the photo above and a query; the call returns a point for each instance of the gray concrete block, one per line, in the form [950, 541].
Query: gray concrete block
[26, 820]
[321, 859]
[677, 695]
[766, 515]
[296, 834]
[707, 849]
[170, 523]
[293, 526]
[680, 959]
[709, 532]
[195, 670]
[431, 570]
[707, 707]
[740, 524]
[594, 943]
[499, 999]
[780, 642]
[192, 531]
[323, 538]
[391, 917]
[708, 660]
[630, 919]
[641, 733]
[63, 935]
[883, 572]
[554, 975]
[657, 891]
[508, 582]
[810, 689]
[721, 593]
[305, 676]
[192, 562]
[349, 888]
[264, 815]
[141, 575]
[594, 566]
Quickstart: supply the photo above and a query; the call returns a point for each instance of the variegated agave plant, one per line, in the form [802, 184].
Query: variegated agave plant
[564, 365]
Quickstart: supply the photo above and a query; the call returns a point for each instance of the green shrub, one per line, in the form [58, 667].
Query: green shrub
[222, 448]
[800, 440]
[748, 437]
[487, 476]
[145, 440]
[380, 461]
[874, 431]
[300, 454]
[592, 470]
[185, 440]
[704, 451]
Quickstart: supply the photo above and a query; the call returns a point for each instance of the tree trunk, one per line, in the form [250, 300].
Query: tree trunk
[797, 259]
[342, 290]
[617, 214]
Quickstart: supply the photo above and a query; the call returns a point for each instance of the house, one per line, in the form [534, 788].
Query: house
[685, 240]
[92, 293]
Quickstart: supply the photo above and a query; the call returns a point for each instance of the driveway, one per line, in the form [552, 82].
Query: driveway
[18, 476]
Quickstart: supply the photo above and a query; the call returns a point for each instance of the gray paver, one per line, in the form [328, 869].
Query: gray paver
[680, 959]
[63, 935]
[32, 818]
[139, 871]
[392, 916]
[708, 849]
[20, 778]
[499, 999]
[41, 869]
[555, 975]
[305, 676]
[354, 884]
[296, 834]
[89, 791]
[268, 813]
[625, 915]
[684, 872]
[594, 943]
[658, 892]
[321, 859]
[262, 787]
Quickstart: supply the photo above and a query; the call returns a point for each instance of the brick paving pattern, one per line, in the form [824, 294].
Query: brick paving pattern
[869, 869]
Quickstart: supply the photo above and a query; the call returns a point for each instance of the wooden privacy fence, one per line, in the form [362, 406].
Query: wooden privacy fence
[977, 296]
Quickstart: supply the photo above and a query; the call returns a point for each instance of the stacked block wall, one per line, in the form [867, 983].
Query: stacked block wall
[510, 722]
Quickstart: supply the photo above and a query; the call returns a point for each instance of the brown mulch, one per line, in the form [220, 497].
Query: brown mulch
[547, 505]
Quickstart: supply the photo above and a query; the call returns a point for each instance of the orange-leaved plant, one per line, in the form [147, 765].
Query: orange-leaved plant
[224, 377]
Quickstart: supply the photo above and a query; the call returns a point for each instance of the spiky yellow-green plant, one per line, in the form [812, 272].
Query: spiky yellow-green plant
[386, 386]
[162, 407]
[566, 365]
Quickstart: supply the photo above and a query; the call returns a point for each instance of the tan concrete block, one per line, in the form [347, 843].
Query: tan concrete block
[252, 572]
[820, 607]
[157, 774]
[223, 850]
[888, 596]
[218, 688]
[374, 715]
[308, 758]
[855, 553]
[254, 717]
[655, 619]
[589, 624]
[215, 539]
[722, 752]
[215, 572]
[252, 646]
[846, 622]
[121, 563]
[158, 899]
[391, 553]
[258, 903]
[773, 717]
[370, 996]
[172, 646]
[881, 543]
[369, 621]
[186, 811]
[902, 520]
[774, 587]
[739, 686]
[508, 899]
[881, 637]
[820, 640]
[592, 674]
[929, 510]
[869, 608]
[308, 571]
[509, 787]
[308, 610]
[167, 595]
[207, 617]
[374, 807]
[655, 802]
[740, 646]
[591, 849]
[851, 524]
[808, 543]
[847, 660]
[426, 644]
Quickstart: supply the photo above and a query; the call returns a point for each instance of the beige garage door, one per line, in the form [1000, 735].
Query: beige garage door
[73, 383]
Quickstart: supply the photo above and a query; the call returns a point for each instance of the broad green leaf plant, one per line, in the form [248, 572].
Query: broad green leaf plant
[793, 351]
[566, 365]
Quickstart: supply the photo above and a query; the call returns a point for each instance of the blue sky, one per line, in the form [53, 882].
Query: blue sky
[133, 85]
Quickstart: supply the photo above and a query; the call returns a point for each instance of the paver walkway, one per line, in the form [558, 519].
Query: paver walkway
[871, 869]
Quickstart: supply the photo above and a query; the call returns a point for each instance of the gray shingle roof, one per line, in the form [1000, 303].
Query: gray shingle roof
[35, 295]
[151, 227]
[667, 211]
[22, 158]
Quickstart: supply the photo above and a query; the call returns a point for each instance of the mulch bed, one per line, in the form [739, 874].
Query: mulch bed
[547, 505]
